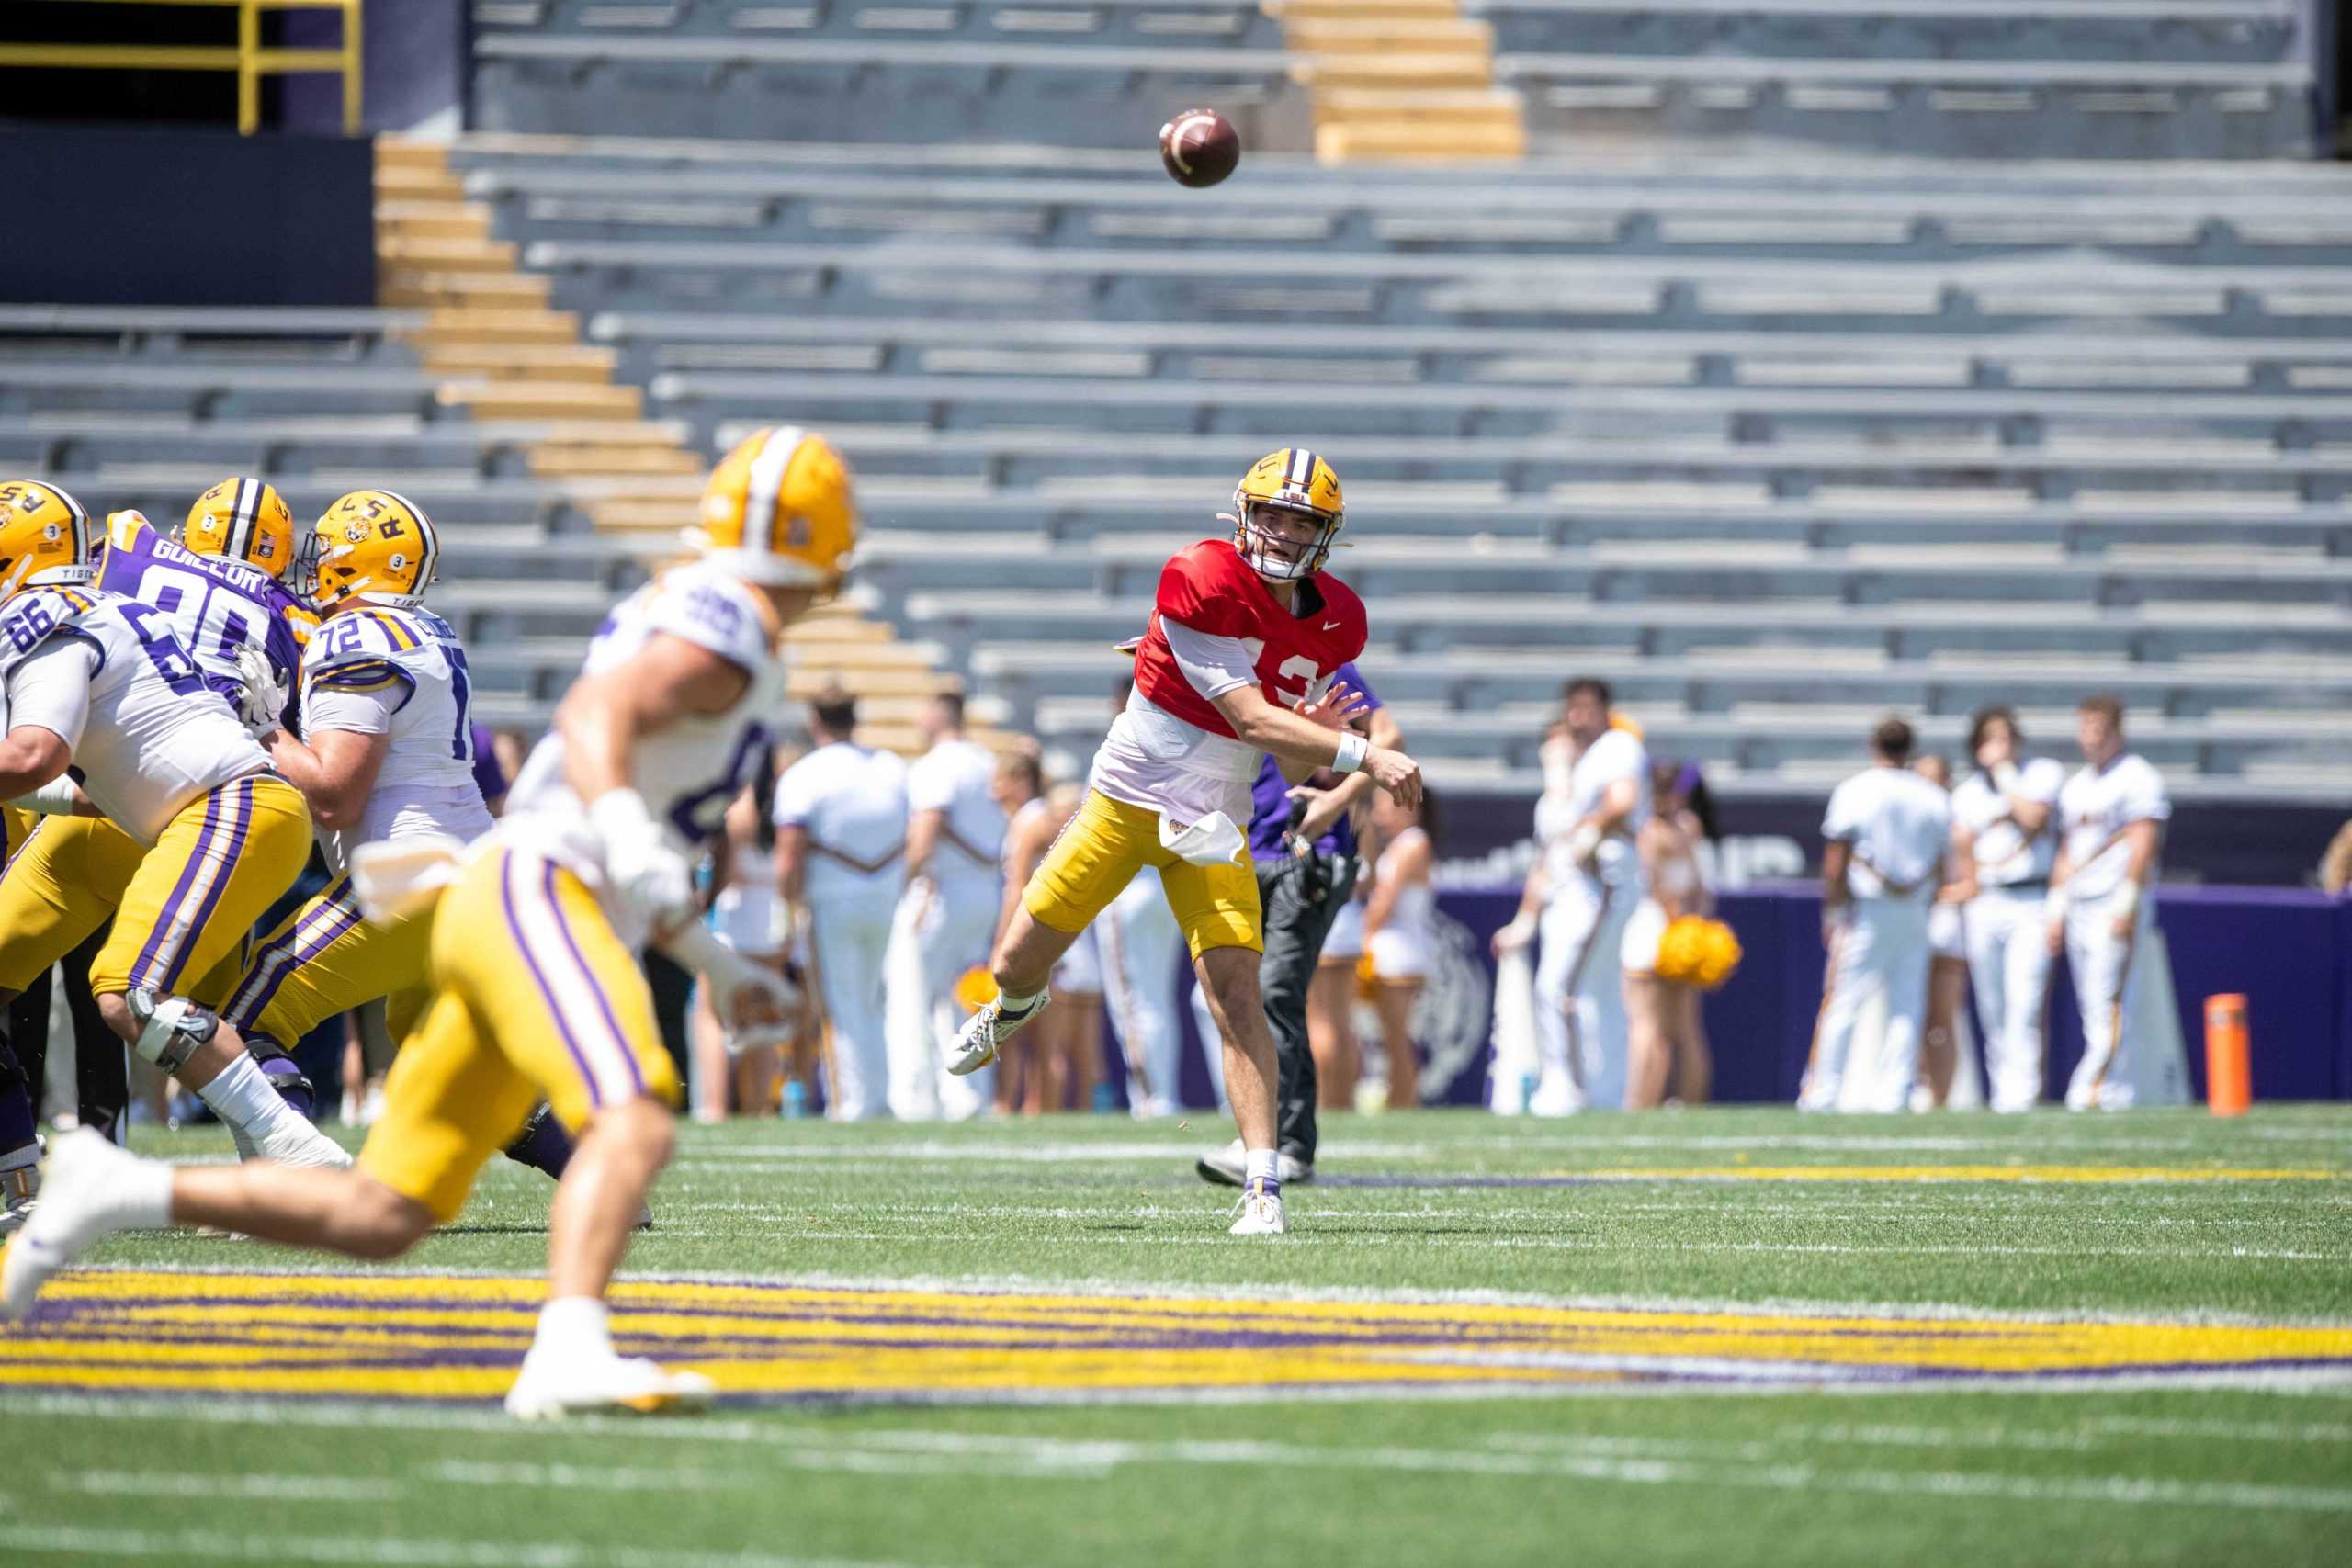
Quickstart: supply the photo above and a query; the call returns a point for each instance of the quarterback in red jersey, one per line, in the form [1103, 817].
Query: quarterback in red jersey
[1245, 637]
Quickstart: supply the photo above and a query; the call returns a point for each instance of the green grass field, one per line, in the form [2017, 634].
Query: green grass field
[1712, 1337]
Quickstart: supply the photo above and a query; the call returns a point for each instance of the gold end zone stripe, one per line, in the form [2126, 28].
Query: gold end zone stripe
[419, 1336]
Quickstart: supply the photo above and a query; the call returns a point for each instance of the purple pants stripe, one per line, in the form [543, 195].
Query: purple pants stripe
[240, 826]
[336, 912]
[588, 978]
[546, 991]
[153, 956]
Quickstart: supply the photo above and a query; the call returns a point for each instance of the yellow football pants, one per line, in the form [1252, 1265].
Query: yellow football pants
[537, 999]
[179, 909]
[324, 959]
[1099, 853]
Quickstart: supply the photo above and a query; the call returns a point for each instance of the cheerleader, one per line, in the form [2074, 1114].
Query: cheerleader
[1400, 934]
[1665, 1037]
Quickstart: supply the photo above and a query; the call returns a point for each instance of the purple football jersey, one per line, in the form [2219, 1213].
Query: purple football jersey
[218, 607]
[1270, 802]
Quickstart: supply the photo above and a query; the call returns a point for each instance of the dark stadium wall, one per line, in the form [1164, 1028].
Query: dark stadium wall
[188, 217]
[2288, 951]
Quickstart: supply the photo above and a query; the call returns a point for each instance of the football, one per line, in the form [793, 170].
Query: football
[1199, 148]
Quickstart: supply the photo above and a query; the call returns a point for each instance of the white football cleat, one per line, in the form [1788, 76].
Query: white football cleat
[293, 1141]
[554, 1384]
[77, 1210]
[977, 1043]
[1258, 1214]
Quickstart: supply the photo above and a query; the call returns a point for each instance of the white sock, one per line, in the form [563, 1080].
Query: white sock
[1261, 1172]
[1020, 1003]
[575, 1324]
[143, 1196]
[241, 1097]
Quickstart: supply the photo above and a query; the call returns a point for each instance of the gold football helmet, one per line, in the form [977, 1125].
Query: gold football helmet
[245, 520]
[372, 545]
[779, 511]
[1295, 480]
[44, 536]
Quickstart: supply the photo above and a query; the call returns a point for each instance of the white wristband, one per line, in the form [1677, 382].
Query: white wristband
[1354, 748]
[2127, 898]
[58, 798]
[2054, 907]
[1584, 840]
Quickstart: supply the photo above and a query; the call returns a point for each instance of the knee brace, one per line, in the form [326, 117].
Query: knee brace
[170, 1028]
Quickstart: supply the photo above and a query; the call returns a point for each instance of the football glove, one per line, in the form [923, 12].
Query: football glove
[262, 699]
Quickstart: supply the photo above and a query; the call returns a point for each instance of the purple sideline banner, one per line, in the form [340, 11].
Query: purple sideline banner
[2285, 949]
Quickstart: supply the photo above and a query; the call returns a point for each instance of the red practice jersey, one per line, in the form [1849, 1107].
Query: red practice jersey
[1211, 588]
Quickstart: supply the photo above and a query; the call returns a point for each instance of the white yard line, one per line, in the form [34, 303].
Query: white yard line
[264, 1485]
[382, 1551]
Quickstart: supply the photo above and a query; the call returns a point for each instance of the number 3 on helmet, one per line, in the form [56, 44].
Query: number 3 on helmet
[779, 511]
[1293, 480]
[244, 520]
[44, 536]
[372, 545]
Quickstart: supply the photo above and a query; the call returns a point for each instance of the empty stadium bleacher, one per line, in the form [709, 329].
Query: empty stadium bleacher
[1970, 78]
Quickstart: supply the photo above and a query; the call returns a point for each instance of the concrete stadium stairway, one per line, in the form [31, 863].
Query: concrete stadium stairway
[1402, 80]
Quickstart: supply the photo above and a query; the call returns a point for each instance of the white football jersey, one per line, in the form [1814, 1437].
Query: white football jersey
[688, 772]
[1613, 755]
[2005, 856]
[400, 673]
[953, 777]
[851, 802]
[1900, 826]
[155, 736]
[2094, 808]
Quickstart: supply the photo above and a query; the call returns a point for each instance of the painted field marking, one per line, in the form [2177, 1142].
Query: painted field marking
[409, 1337]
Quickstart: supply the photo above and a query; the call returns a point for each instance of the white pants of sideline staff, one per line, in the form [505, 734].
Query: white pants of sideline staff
[1880, 952]
[1142, 951]
[2132, 1040]
[849, 938]
[2008, 966]
[1580, 998]
[936, 933]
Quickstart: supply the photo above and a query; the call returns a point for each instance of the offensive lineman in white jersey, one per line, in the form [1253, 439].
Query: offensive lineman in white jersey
[1587, 885]
[2004, 840]
[1888, 830]
[2112, 814]
[385, 755]
[945, 922]
[199, 837]
[534, 950]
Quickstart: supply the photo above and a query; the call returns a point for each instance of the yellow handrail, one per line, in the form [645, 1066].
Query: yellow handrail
[247, 59]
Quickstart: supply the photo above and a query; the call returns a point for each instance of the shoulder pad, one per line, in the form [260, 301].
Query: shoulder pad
[711, 610]
[124, 530]
[371, 633]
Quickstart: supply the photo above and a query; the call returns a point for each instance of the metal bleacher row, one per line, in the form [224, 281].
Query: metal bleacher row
[2108, 78]
[1773, 451]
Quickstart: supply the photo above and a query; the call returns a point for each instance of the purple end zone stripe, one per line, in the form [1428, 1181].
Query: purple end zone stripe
[279, 959]
[240, 826]
[522, 942]
[179, 891]
[604, 1003]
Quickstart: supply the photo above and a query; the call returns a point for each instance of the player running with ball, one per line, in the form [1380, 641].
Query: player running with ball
[1238, 661]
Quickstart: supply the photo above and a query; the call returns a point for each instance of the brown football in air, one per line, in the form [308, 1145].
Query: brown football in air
[1199, 147]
